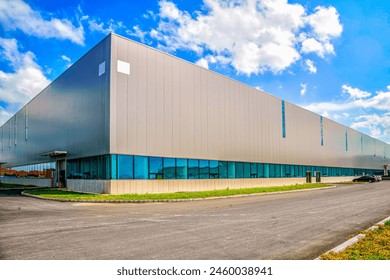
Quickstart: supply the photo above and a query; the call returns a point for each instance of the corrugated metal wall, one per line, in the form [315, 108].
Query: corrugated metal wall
[71, 114]
[169, 107]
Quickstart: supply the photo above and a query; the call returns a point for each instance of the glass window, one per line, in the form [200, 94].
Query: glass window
[169, 168]
[247, 170]
[141, 167]
[288, 172]
[239, 170]
[86, 168]
[283, 120]
[260, 170]
[204, 169]
[181, 168]
[125, 167]
[272, 171]
[114, 174]
[223, 169]
[253, 170]
[155, 168]
[231, 169]
[266, 170]
[214, 169]
[94, 167]
[193, 169]
[278, 172]
[282, 170]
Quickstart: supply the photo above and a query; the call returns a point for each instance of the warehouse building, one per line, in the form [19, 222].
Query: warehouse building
[127, 118]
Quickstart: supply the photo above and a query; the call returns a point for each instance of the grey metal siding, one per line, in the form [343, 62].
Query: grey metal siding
[71, 114]
[169, 107]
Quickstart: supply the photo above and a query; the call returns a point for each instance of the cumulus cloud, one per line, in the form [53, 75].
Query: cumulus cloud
[24, 81]
[309, 65]
[203, 63]
[18, 15]
[95, 25]
[4, 115]
[137, 32]
[355, 93]
[325, 23]
[303, 89]
[254, 36]
[362, 109]
[67, 59]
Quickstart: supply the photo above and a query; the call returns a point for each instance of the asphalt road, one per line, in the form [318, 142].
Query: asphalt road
[299, 225]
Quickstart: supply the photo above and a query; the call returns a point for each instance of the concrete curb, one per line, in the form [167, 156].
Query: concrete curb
[170, 200]
[354, 239]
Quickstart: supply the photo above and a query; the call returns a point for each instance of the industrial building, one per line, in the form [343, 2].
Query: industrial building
[127, 118]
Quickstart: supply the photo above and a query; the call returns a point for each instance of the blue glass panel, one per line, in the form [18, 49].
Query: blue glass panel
[239, 170]
[214, 169]
[181, 168]
[125, 167]
[278, 170]
[193, 169]
[223, 169]
[272, 170]
[289, 171]
[282, 170]
[155, 168]
[266, 170]
[141, 167]
[114, 174]
[231, 170]
[204, 169]
[260, 170]
[169, 168]
[321, 132]
[283, 120]
[247, 170]
[253, 170]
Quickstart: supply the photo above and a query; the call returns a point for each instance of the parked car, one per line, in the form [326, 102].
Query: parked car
[365, 178]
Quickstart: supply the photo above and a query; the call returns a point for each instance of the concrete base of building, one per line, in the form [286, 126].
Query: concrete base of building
[89, 186]
[26, 181]
[170, 186]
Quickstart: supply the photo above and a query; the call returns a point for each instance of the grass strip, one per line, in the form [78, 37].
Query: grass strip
[60, 194]
[374, 246]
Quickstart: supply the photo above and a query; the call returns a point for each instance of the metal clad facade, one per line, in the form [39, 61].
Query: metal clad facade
[171, 108]
[71, 114]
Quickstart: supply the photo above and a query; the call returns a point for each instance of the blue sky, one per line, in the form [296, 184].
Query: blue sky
[331, 57]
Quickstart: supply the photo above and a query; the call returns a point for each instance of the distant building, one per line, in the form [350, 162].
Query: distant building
[127, 118]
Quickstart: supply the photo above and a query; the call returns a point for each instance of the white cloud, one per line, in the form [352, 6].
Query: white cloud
[67, 59]
[311, 45]
[303, 89]
[25, 81]
[254, 36]
[137, 32]
[104, 27]
[4, 115]
[16, 14]
[325, 23]
[203, 63]
[355, 93]
[309, 64]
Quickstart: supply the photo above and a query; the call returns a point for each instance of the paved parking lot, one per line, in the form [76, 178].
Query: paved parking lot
[298, 225]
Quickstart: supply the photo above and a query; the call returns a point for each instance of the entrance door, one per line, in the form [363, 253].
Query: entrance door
[61, 173]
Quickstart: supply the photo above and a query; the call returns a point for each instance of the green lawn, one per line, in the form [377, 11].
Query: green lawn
[59, 194]
[374, 246]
